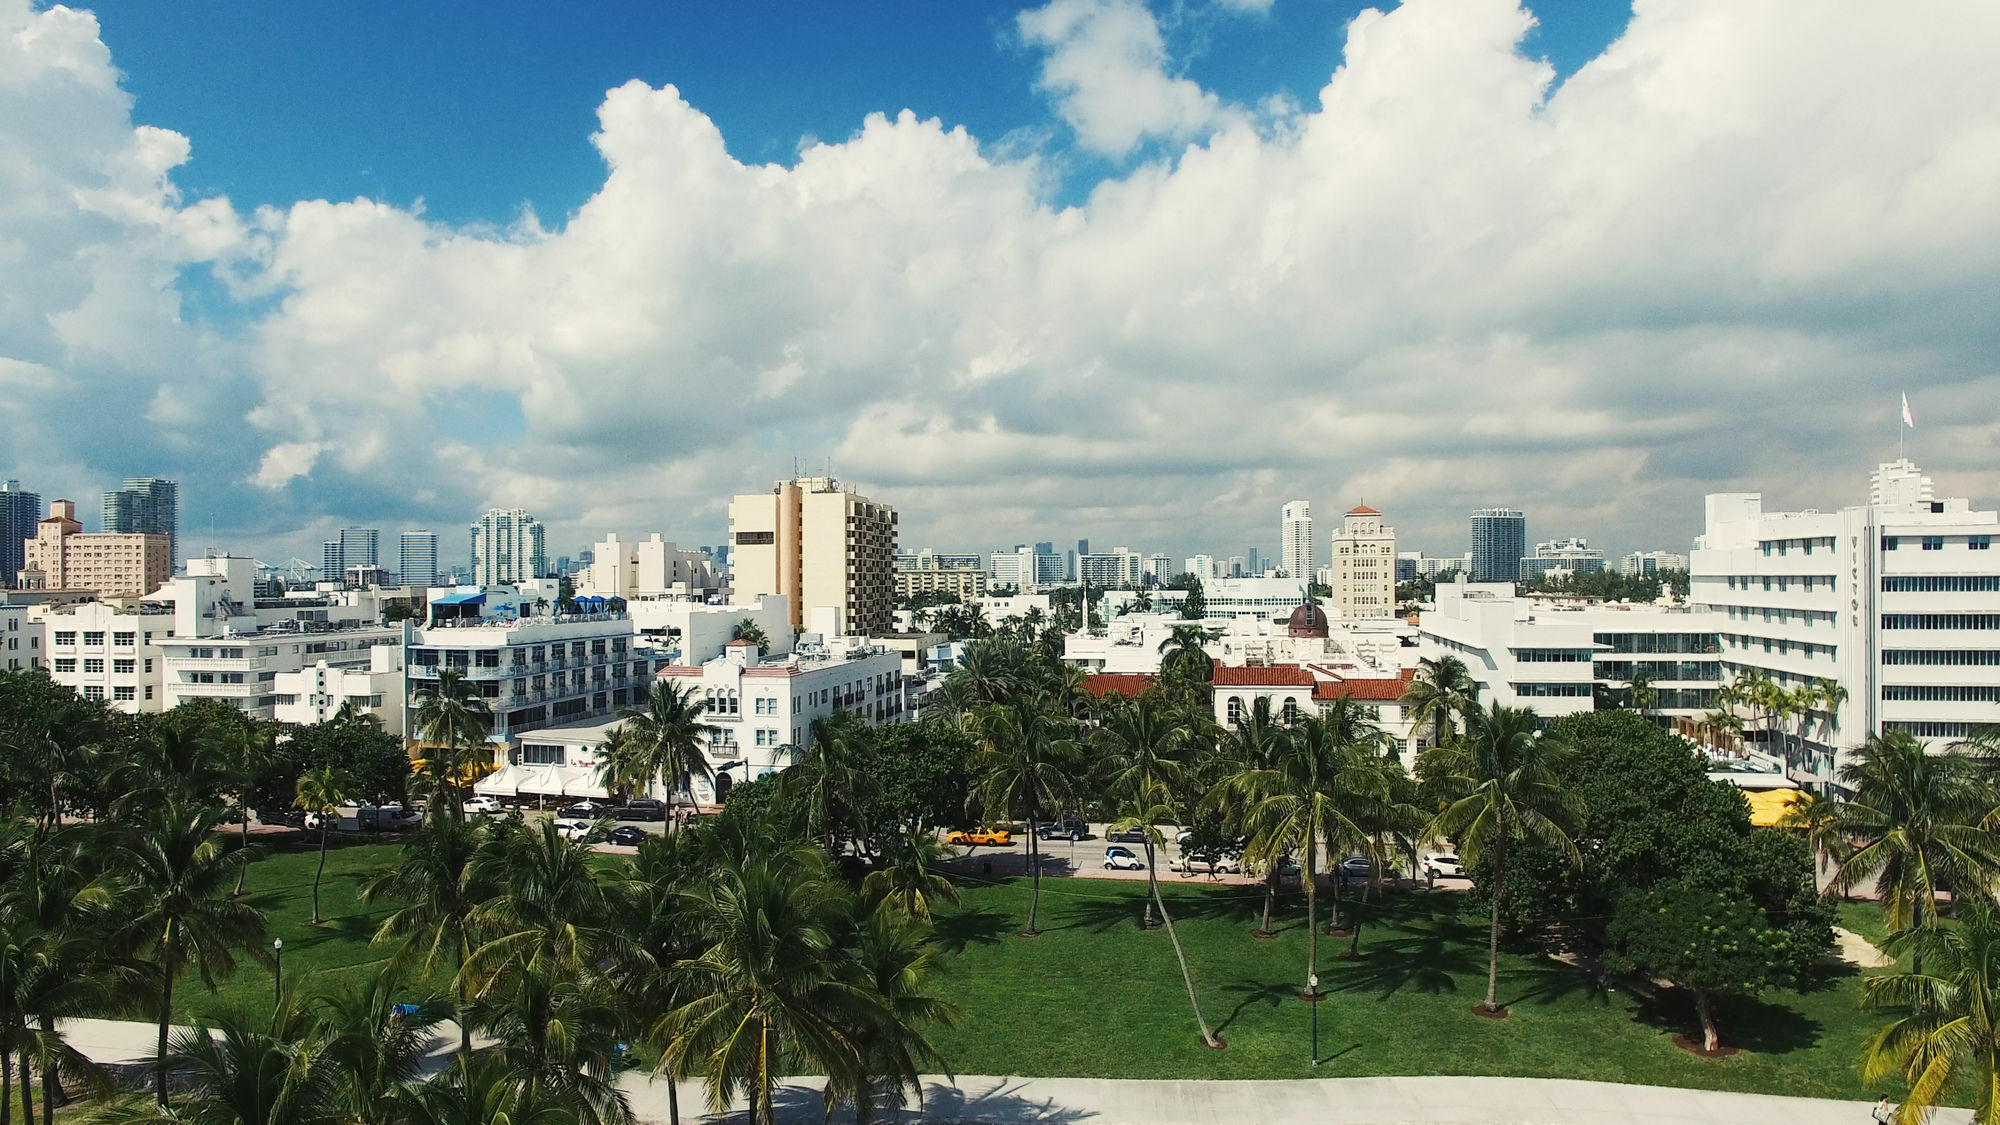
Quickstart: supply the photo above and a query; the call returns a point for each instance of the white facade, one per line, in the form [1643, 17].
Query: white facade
[1120, 566]
[1896, 600]
[107, 652]
[655, 567]
[1296, 555]
[1362, 576]
[417, 559]
[1201, 566]
[1362, 648]
[690, 632]
[1524, 652]
[1652, 562]
[316, 693]
[20, 639]
[507, 547]
[1573, 556]
[762, 710]
[1158, 568]
[242, 669]
[535, 672]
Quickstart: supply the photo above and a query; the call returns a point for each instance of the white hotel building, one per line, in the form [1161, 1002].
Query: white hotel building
[109, 652]
[20, 639]
[1897, 600]
[535, 672]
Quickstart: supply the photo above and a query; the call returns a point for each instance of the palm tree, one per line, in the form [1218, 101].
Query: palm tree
[231, 1073]
[559, 1031]
[1921, 814]
[1442, 694]
[829, 778]
[372, 1044]
[665, 740]
[895, 964]
[1505, 778]
[181, 915]
[1025, 764]
[1183, 656]
[440, 889]
[1146, 815]
[748, 630]
[1823, 825]
[552, 911]
[321, 792]
[450, 715]
[906, 880]
[1640, 693]
[56, 962]
[1950, 1021]
[767, 993]
[245, 756]
[1140, 750]
[1253, 744]
[481, 1090]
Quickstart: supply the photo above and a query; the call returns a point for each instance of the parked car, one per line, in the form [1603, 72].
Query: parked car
[1069, 828]
[981, 836]
[1223, 865]
[1356, 867]
[1123, 859]
[481, 805]
[586, 809]
[389, 818]
[625, 835]
[1442, 866]
[1132, 835]
[643, 808]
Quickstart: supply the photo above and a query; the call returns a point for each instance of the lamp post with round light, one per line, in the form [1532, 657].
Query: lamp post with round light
[278, 974]
[1312, 988]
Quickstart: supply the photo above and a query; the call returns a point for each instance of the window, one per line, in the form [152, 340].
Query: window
[124, 640]
[65, 663]
[149, 664]
[755, 538]
[94, 639]
[1941, 693]
[93, 691]
[1938, 621]
[532, 755]
[1235, 709]
[124, 667]
[1933, 542]
[122, 694]
[149, 691]
[66, 637]
[1979, 542]
[1888, 542]
[1932, 730]
[1982, 658]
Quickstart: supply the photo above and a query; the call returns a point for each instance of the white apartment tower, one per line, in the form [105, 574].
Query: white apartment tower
[1897, 601]
[507, 547]
[1295, 540]
[818, 545]
[1363, 574]
[417, 559]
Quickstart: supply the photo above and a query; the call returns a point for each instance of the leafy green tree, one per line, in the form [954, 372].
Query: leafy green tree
[1505, 778]
[373, 760]
[908, 880]
[1923, 816]
[1140, 751]
[453, 718]
[664, 740]
[1145, 812]
[371, 1043]
[50, 737]
[1194, 607]
[181, 914]
[896, 967]
[1714, 942]
[320, 795]
[232, 1073]
[1252, 743]
[482, 1089]
[748, 630]
[831, 780]
[56, 963]
[559, 1031]
[1947, 1031]
[1443, 696]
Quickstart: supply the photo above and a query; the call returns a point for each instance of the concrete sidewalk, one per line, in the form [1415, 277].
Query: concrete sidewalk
[1087, 1101]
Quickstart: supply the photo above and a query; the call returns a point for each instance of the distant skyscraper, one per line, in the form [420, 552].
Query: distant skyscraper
[147, 506]
[507, 547]
[19, 513]
[1295, 541]
[1254, 562]
[417, 562]
[1499, 540]
[356, 546]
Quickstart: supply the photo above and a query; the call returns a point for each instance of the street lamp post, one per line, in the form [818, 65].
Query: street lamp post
[278, 975]
[1312, 989]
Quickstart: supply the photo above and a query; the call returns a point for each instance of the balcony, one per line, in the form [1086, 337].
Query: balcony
[217, 663]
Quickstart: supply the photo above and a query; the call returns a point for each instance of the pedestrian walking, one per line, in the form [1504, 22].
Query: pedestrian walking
[1884, 1112]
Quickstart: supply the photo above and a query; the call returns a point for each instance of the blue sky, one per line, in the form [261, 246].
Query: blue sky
[477, 109]
[1158, 268]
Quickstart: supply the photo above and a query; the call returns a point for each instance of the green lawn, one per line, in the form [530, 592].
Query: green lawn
[1097, 996]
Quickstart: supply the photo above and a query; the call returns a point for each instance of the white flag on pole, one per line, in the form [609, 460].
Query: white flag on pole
[1907, 420]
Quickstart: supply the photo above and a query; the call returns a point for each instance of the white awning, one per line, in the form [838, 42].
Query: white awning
[546, 780]
[578, 781]
[505, 782]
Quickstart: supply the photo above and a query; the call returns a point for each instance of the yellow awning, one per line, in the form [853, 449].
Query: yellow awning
[1767, 805]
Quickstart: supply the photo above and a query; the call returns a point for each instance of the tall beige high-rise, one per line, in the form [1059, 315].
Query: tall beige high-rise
[1363, 575]
[818, 545]
[62, 557]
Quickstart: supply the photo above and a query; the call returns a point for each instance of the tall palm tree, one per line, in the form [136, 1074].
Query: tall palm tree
[439, 888]
[481, 1090]
[1183, 657]
[57, 912]
[767, 993]
[829, 778]
[1253, 743]
[1950, 1021]
[372, 1043]
[748, 630]
[321, 792]
[181, 914]
[665, 740]
[452, 717]
[1140, 751]
[1822, 824]
[245, 755]
[1301, 800]
[1921, 814]
[1144, 812]
[1026, 766]
[896, 964]
[233, 1073]
[1505, 777]
[559, 1030]
[552, 911]
[907, 880]
[1640, 692]
[1442, 694]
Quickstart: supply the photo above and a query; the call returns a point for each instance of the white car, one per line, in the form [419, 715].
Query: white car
[1226, 865]
[1443, 865]
[1122, 859]
[575, 829]
[480, 805]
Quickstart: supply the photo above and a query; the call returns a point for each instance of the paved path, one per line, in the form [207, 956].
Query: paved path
[1083, 1101]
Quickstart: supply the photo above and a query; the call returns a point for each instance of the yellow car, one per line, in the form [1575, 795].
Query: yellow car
[980, 836]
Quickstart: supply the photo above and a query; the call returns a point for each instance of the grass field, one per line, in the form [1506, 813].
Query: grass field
[1097, 996]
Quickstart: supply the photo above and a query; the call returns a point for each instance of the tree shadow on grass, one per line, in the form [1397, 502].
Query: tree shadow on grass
[1252, 993]
[1429, 961]
[1544, 982]
[1751, 1024]
[978, 926]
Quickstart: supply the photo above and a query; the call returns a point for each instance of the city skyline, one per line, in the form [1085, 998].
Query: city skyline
[1571, 275]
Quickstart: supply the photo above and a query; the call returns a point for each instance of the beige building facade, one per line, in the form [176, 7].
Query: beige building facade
[1362, 577]
[62, 557]
[817, 545]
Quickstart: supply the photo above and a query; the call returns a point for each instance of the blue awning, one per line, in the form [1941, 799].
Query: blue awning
[461, 599]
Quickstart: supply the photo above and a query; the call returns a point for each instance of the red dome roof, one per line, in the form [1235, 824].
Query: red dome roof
[1307, 621]
[1363, 510]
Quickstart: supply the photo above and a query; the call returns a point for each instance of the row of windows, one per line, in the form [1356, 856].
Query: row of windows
[118, 694]
[1803, 616]
[1941, 693]
[1783, 647]
[1941, 583]
[1781, 582]
[1649, 643]
[95, 664]
[1786, 546]
[93, 638]
[1552, 655]
[1931, 730]
[1978, 657]
[1936, 542]
[1941, 621]
[1565, 690]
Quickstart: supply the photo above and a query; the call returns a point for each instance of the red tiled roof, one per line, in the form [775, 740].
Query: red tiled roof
[1131, 685]
[1374, 691]
[1363, 510]
[1275, 675]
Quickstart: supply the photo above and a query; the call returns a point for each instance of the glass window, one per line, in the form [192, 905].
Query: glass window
[123, 640]
[94, 638]
[93, 664]
[1979, 542]
[65, 663]
[123, 667]
[1888, 542]
[1933, 542]
[66, 637]
[122, 694]
[93, 691]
